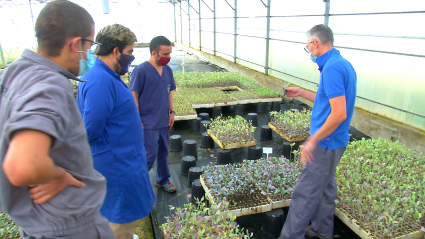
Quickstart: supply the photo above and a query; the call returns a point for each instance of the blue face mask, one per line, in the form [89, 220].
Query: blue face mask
[86, 65]
[313, 58]
[125, 61]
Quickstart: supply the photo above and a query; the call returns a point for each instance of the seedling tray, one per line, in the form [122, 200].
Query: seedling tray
[241, 211]
[278, 99]
[275, 129]
[185, 117]
[232, 145]
[353, 225]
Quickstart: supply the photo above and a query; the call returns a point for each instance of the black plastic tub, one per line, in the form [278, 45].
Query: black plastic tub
[176, 144]
[204, 116]
[207, 141]
[187, 163]
[255, 152]
[196, 124]
[194, 173]
[266, 133]
[198, 191]
[261, 107]
[253, 117]
[204, 126]
[275, 106]
[216, 112]
[273, 222]
[224, 156]
[239, 109]
[189, 148]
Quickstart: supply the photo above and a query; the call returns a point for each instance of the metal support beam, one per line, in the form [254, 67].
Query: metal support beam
[175, 24]
[200, 32]
[2, 56]
[327, 7]
[266, 67]
[188, 18]
[181, 24]
[215, 32]
[208, 6]
[236, 29]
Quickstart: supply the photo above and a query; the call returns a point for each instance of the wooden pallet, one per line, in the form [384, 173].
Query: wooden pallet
[354, 226]
[285, 136]
[232, 145]
[277, 99]
[237, 212]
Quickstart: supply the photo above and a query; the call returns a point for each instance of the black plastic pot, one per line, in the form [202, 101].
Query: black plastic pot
[287, 150]
[194, 173]
[254, 118]
[198, 191]
[275, 106]
[189, 148]
[204, 126]
[196, 124]
[187, 163]
[261, 107]
[207, 141]
[204, 116]
[176, 144]
[224, 156]
[266, 133]
[273, 222]
[255, 152]
[216, 112]
[239, 109]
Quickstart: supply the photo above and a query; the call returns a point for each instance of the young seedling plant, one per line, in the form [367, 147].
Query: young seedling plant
[381, 185]
[292, 124]
[8, 229]
[198, 221]
[232, 130]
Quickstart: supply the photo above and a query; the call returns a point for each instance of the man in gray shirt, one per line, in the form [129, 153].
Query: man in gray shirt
[47, 182]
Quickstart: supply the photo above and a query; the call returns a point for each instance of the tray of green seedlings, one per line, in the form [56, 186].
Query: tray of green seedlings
[8, 229]
[232, 183]
[267, 95]
[197, 98]
[381, 190]
[232, 133]
[277, 178]
[184, 110]
[199, 221]
[291, 125]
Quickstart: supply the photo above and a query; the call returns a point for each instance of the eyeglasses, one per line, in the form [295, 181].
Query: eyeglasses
[92, 42]
[306, 47]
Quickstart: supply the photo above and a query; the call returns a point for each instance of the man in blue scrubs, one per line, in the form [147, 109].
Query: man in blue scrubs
[151, 84]
[115, 133]
[315, 193]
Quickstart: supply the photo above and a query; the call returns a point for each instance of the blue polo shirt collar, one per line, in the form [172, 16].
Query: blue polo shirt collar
[321, 60]
[107, 68]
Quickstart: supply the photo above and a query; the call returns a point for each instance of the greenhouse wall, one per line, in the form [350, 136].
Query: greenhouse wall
[383, 40]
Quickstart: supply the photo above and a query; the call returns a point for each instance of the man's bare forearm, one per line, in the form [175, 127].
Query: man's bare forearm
[308, 95]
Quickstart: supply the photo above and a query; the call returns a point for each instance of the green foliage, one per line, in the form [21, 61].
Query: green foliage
[198, 221]
[232, 130]
[8, 229]
[272, 177]
[381, 185]
[292, 124]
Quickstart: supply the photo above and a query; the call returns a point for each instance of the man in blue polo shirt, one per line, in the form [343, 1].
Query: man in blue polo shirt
[314, 195]
[151, 84]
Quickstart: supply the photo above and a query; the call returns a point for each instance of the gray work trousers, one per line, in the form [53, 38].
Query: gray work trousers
[314, 196]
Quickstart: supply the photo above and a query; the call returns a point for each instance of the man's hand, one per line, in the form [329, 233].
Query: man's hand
[307, 151]
[170, 121]
[44, 192]
[293, 92]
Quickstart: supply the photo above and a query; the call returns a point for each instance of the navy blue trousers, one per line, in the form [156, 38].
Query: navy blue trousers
[156, 145]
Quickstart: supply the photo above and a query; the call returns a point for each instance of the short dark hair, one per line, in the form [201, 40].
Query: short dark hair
[157, 42]
[112, 36]
[57, 22]
[323, 33]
